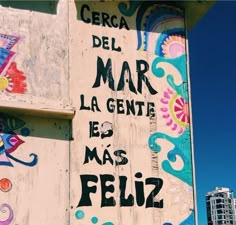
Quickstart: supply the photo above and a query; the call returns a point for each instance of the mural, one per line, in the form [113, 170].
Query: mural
[12, 80]
[161, 30]
[169, 46]
[165, 24]
[9, 142]
[144, 102]
[175, 111]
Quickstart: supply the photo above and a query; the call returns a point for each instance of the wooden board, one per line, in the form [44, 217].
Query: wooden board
[126, 156]
[34, 68]
[34, 163]
[131, 154]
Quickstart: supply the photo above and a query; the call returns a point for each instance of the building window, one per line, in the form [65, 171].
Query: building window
[220, 211]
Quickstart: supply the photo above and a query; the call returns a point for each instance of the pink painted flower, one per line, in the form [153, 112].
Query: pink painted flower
[174, 46]
[175, 111]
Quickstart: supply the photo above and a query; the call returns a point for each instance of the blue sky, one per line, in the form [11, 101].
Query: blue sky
[212, 47]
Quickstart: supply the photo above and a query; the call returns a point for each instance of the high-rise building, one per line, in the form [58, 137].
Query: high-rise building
[221, 207]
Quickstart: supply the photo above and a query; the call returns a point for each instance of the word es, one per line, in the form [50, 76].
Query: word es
[139, 196]
[106, 129]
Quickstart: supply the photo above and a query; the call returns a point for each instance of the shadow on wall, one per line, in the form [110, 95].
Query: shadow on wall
[129, 7]
[44, 6]
[13, 125]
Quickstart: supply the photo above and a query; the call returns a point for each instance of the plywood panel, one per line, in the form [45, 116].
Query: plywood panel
[34, 161]
[131, 154]
[126, 158]
[34, 46]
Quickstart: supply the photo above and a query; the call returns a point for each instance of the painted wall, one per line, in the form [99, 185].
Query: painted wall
[34, 163]
[34, 55]
[126, 157]
[131, 154]
[34, 151]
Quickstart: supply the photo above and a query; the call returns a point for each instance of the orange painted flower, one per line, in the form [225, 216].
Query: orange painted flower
[5, 185]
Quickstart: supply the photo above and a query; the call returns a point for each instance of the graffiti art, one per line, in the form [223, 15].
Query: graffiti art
[12, 80]
[10, 141]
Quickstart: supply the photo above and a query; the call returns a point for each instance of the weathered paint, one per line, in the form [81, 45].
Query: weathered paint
[130, 54]
[126, 157]
[35, 46]
[34, 158]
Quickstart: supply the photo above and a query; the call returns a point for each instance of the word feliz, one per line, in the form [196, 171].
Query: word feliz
[125, 200]
[119, 106]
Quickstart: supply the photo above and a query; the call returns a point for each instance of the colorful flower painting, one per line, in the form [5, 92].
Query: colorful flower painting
[175, 111]
[8, 144]
[161, 32]
[173, 46]
[12, 80]
[10, 141]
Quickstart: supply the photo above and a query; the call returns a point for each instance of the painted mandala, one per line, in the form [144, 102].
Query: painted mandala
[175, 110]
[174, 46]
[164, 30]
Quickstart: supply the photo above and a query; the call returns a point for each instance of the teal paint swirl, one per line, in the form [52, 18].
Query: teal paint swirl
[181, 148]
[180, 64]
[129, 10]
